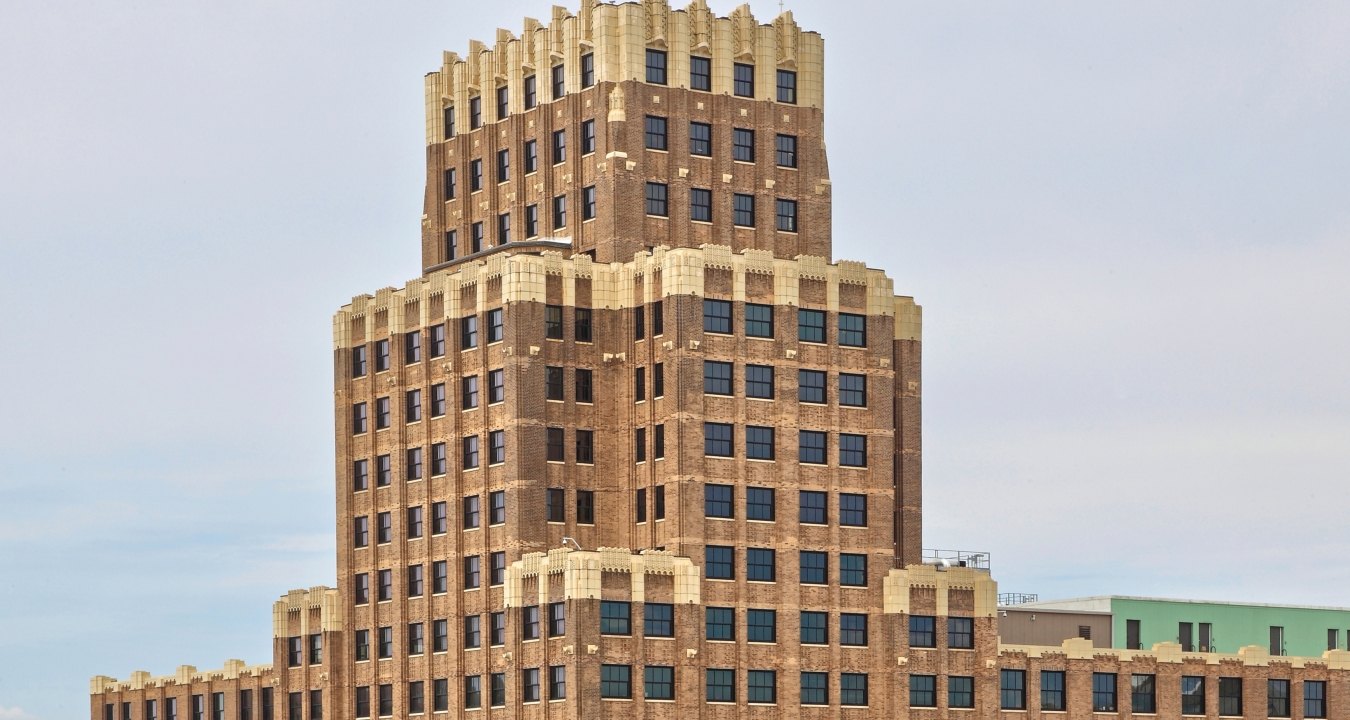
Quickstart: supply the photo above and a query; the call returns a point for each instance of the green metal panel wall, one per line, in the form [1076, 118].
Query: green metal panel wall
[1305, 629]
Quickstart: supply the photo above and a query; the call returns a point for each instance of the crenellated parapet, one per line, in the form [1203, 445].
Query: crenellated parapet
[582, 572]
[661, 272]
[184, 676]
[302, 604]
[616, 36]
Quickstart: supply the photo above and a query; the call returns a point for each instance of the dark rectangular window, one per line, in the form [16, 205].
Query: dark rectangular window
[852, 450]
[700, 139]
[583, 386]
[360, 532]
[585, 507]
[438, 400]
[381, 355]
[360, 475]
[297, 706]
[813, 507]
[471, 516]
[1104, 693]
[759, 381]
[585, 447]
[717, 377]
[475, 113]
[811, 326]
[414, 524]
[559, 212]
[761, 687]
[587, 70]
[852, 510]
[556, 505]
[811, 448]
[473, 692]
[412, 406]
[362, 589]
[498, 681]
[450, 182]
[1192, 695]
[382, 413]
[640, 505]
[720, 623]
[659, 502]
[658, 682]
[476, 237]
[700, 73]
[1052, 690]
[416, 697]
[717, 317]
[386, 646]
[496, 627]
[503, 228]
[359, 361]
[553, 322]
[658, 326]
[815, 627]
[742, 145]
[587, 137]
[559, 78]
[760, 565]
[640, 446]
[436, 334]
[719, 562]
[785, 215]
[416, 639]
[761, 626]
[616, 681]
[1314, 698]
[852, 629]
[721, 685]
[468, 332]
[814, 568]
[358, 418]
[960, 692]
[656, 199]
[588, 203]
[743, 210]
[960, 632]
[470, 453]
[852, 390]
[743, 80]
[853, 689]
[529, 622]
[923, 691]
[656, 66]
[362, 701]
[495, 326]
[759, 504]
[440, 695]
[531, 92]
[555, 441]
[717, 440]
[852, 330]
[852, 570]
[448, 120]
[473, 631]
[759, 442]
[1013, 689]
[451, 244]
[440, 573]
[469, 392]
[815, 688]
[758, 320]
[503, 165]
[496, 447]
[655, 133]
[1277, 697]
[1142, 694]
[529, 685]
[658, 620]
[616, 618]
[475, 175]
[531, 156]
[700, 205]
[473, 572]
[559, 146]
[557, 682]
[787, 87]
[785, 151]
[295, 651]
[496, 507]
[557, 619]
[440, 635]
[922, 631]
[659, 441]
[384, 531]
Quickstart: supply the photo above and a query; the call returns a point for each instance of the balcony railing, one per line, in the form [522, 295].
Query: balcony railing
[955, 558]
[1017, 598]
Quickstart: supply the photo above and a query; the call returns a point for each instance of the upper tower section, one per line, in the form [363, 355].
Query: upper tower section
[623, 127]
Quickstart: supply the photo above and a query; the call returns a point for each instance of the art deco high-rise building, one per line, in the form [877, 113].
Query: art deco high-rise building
[634, 444]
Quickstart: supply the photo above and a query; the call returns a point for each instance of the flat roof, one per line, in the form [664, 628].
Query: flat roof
[1102, 603]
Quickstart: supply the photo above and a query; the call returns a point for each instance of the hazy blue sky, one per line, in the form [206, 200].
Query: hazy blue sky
[1128, 224]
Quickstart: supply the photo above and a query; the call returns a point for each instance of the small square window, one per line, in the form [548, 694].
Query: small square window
[813, 510]
[960, 692]
[720, 623]
[717, 439]
[717, 377]
[758, 320]
[616, 681]
[852, 390]
[658, 620]
[717, 317]
[759, 442]
[852, 330]
[811, 326]
[719, 562]
[718, 501]
[852, 570]
[760, 565]
[721, 685]
[811, 447]
[960, 633]
[658, 682]
[759, 504]
[852, 510]
[814, 568]
[616, 618]
[922, 691]
[853, 450]
[852, 629]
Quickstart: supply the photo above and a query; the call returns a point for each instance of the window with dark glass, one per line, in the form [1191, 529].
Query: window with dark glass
[556, 505]
[759, 442]
[785, 214]
[503, 228]
[381, 355]
[760, 565]
[743, 80]
[853, 450]
[451, 244]
[555, 442]
[384, 528]
[700, 139]
[815, 688]
[360, 531]
[531, 156]
[659, 441]
[448, 120]
[450, 182]
[529, 685]
[382, 413]
[471, 513]
[718, 501]
[362, 701]
[717, 316]
[440, 573]
[468, 332]
[498, 689]
[496, 568]
[1192, 695]
[585, 507]
[384, 470]
[412, 405]
[658, 325]
[719, 562]
[923, 691]
[922, 631]
[658, 682]
[476, 237]
[503, 165]
[616, 681]
[359, 361]
[559, 146]
[811, 447]
[296, 703]
[616, 618]
[362, 645]
[656, 199]
[587, 70]
[1013, 689]
[717, 377]
[853, 689]
[742, 145]
[588, 203]
[852, 390]
[553, 322]
[658, 620]
[416, 641]
[475, 113]
[557, 619]
[700, 205]
[583, 385]
[812, 507]
[473, 692]
[470, 454]
[640, 446]
[720, 623]
[743, 210]
[656, 66]
[852, 570]
[440, 695]
[759, 504]
[852, 510]
[473, 572]
[787, 87]
[587, 137]
[814, 568]
[960, 632]
[1314, 698]
[659, 502]
[496, 447]
[721, 685]
[758, 320]
[529, 622]
[531, 92]
[759, 381]
[559, 78]
[655, 133]
[362, 592]
[811, 326]
[761, 687]
[360, 475]
[700, 73]
[557, 682]
[1104, 693]
[475, 175]
[852, 330]
[559, 212]
[852, 629]
[414, 524]
[416, 698]
[386, 643]
[469, 392]
[295, 652]
[497, 629]
[717, 439]
[761, 626]
[785, 151]
[585, 447]
[815, 627]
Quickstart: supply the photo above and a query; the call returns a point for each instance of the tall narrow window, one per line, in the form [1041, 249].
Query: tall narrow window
[503, 102]
[655, 133]
[475, 113]
[475, 175]
[531, 221]
[786, 215]
[587, 137]
[656, 67]
[476, 237]
[559, 78]
[450, 183]
[700, 73]
[785, 151]
[560, 212]
[531, 92]
[448, 120]
[787, 87]
[656, 199]
[700, 139]
[531, 156]
[587, 70]
[588, 203]
[700, 205]
[743, 80]
[503, 165]
[743, 210]
[743, 145]
[559, 146]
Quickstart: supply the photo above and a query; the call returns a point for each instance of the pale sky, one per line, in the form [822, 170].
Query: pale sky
[1128, 224]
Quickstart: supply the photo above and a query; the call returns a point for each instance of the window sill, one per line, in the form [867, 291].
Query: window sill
[761, 399]
[719, 518]
[781, 231]
[761, 522]
[771, 461]
[658, 217]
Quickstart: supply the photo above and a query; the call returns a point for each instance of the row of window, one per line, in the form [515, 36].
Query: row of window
[471, 578]
[719, 501]
[719, 378]
[439, 458]
[244, 707]
[701, 208]
[719, 440]
[295, 650]
[1143, 694]
[761, 566]
[700, 78]
[811, 326]
[743, 146]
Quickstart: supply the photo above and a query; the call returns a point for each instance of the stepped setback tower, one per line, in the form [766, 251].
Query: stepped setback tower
[635, 444]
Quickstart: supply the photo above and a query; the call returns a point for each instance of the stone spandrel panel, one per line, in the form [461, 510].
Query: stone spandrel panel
[581, 574]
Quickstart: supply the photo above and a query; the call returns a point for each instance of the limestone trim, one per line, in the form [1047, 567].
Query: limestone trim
[325, 599]
[617, 37]
[185, 675]
[582, 571]
[682, 271]
[898, 582]
[1168, 652]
